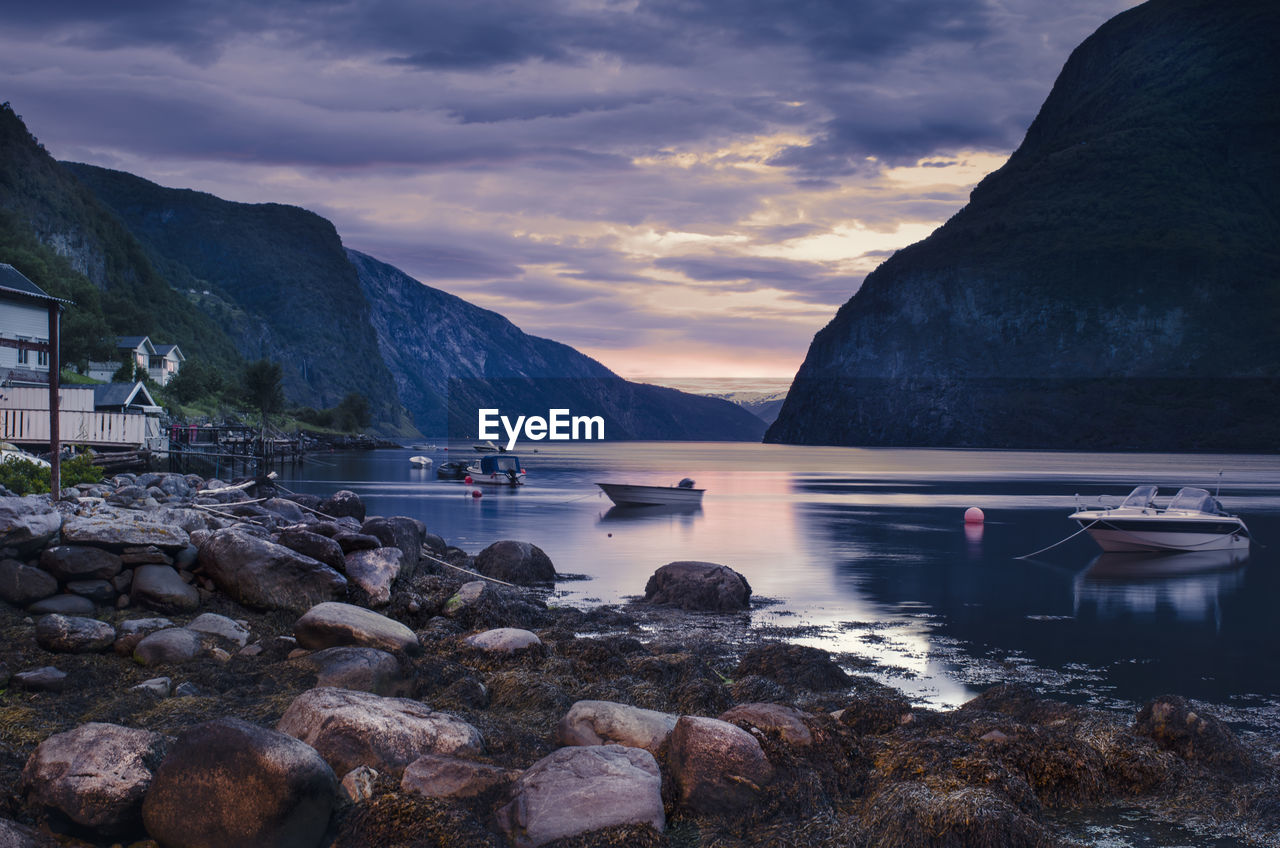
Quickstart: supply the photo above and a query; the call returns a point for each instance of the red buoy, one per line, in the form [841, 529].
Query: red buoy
[973, 515]
[475, 493]
[468, 480]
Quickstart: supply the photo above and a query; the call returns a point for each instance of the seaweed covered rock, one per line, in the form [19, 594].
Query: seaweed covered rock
[874, 714]
[703, 586]
[228, 783]
[1193, 735]
[352, 729]
[604, 722]
[333, 624]
[578, 790]
[521, 563]
[719, 768]
[261, 574]
[911, 814]
[796, 666]
[96, 775]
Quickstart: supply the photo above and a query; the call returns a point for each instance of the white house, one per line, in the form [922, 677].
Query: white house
[24, 328]
[135, 349]
[166, 364]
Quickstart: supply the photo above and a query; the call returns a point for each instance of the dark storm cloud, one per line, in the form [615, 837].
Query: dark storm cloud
[758, 270]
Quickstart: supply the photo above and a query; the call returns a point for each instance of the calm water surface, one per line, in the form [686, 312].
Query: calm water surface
[867, 547]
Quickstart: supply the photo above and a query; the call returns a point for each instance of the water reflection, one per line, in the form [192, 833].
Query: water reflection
[684, 514]
[1190, 585]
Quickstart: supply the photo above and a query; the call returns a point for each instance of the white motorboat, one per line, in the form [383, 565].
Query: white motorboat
[1192, 521]
[627, 494]
[420, 461]
[503, 469]
[490, 447]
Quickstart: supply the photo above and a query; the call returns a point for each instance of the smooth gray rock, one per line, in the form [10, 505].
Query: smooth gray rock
[168, 647]
[130, 633]
[352, 542]
[79, 562]
[231, 784]
[786, 721]
[578, 790]
[44, 679]
[159, 587]
[62, 605]
[96, 775]
[436, 776]
[318, 547]
[704, 586]
[360, 669]
[332, 624]
[605, 722]
[159, 686]
[27, 524]
[343, 503]
[220, 627]
[67, 634]
[521, 563]
[21, 584]
[288, 510]
[719, 768]
[352, 729]
[264, 575]
[117, 533]
[504, 640]
[375, 571]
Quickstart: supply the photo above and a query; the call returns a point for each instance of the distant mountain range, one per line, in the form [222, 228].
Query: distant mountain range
[231, 282]
[1116, 284]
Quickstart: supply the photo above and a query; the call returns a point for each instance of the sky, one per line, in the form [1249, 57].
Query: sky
[679, 188]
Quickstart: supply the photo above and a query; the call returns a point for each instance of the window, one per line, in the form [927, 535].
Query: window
[42, 359]
[23, 353]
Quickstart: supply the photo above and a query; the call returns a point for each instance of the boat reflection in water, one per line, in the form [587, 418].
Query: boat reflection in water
[1189, 585]
[680, 513]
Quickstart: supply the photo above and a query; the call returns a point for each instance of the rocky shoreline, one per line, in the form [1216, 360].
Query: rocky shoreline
[192, 663]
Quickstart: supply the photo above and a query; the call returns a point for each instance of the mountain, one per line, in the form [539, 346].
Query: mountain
[275, 277]
[1116, 284]
[57, 233]
[450, 358]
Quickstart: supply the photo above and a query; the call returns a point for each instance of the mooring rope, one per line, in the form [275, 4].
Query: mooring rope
[1055, 544]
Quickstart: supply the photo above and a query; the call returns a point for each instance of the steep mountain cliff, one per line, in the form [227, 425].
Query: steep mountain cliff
[1116, 284]
[275, 277]
[450, 357]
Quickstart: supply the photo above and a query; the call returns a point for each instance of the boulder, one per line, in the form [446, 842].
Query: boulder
[704, 586]
[101, 592]
[604, 722]
[787, 722]
[262, 574]
[168, 647]
[360, 669]
[398, 532]
[130, 633]
[80, 562]
[719, 768]
[468, 595]
[435, 776]
[159, 587]
[220, 627]
[117, 533]
[96, 775]
[229, 784]
[359, 784]
[352, 542]
[27, 524]
[320, 548]
[21, 584]
[374, 571]
[44, 679]
[288, 510]
[332, 624]
[578, 790]
[145, 555]
[504, 640]
[521, 563]
[66, 634]
[352, 729]
[343, 503]
[62, 605]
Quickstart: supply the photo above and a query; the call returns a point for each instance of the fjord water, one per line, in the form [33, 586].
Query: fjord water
[864, 552]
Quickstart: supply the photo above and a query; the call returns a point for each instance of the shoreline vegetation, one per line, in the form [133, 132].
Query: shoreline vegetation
[188, 661]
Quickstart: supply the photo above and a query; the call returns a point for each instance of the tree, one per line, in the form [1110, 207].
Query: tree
[352, 412]
[194, 381]
[262, 386]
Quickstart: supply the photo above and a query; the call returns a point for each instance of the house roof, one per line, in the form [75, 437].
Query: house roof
[163, 350]
[121, 395]
[135, 342]
[13, 281]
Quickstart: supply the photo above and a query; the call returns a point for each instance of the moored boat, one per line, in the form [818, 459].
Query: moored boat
[451, 470]
[629, 494]
[420, 461]
[498, 470]
[1192, 521]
